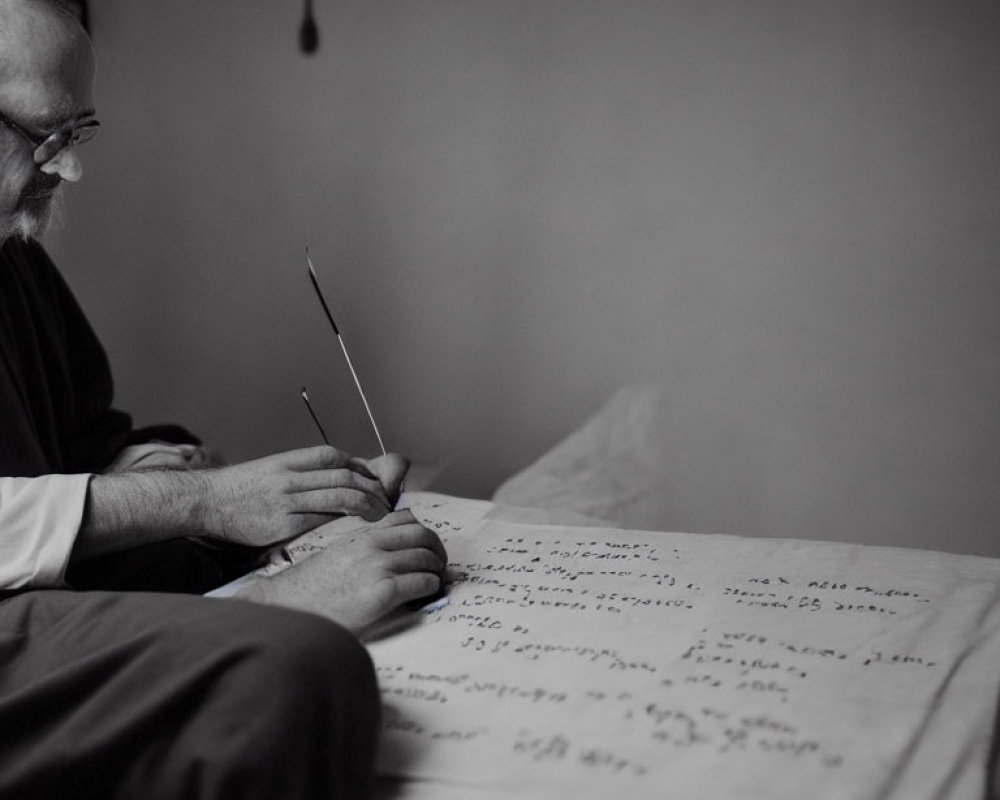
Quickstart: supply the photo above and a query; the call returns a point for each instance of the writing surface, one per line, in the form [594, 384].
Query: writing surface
[585, 662]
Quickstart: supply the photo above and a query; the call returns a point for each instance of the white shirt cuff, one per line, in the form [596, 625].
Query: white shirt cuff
[39, 521]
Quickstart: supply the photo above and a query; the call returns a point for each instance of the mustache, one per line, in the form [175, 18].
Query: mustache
[44, 186]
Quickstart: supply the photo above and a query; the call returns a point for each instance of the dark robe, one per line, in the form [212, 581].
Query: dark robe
[55, 382]
[56, 417]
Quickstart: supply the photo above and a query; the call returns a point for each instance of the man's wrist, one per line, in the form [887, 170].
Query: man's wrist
[129, 509]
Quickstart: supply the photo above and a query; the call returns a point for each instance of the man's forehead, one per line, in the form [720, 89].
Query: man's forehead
[37, 37]
[46, 65]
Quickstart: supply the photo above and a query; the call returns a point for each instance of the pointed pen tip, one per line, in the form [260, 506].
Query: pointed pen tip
[309, 261]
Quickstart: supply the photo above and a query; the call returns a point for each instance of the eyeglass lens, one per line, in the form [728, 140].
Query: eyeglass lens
[70, 137]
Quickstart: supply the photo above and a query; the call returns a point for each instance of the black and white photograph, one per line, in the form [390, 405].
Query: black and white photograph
[550, 400]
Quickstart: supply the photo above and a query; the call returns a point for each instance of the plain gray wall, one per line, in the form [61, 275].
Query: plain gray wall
[786, 210]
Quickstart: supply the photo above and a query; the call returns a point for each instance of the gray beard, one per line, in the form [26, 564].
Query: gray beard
[32, 222]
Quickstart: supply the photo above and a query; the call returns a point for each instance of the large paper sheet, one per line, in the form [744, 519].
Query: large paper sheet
[572, 662]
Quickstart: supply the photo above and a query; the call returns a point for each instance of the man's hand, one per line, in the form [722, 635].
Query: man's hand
[390, 469]
[257, 503]
[360, 575]
[284, 495]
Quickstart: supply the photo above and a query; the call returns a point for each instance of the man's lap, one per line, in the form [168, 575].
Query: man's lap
[108, 687]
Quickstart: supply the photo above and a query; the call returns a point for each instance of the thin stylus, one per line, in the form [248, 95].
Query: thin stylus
[347, 357]
[315, 418]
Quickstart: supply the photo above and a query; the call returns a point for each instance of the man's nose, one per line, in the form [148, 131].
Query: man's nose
[66, 164]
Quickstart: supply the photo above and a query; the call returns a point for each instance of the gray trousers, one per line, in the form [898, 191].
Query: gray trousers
[141, 695]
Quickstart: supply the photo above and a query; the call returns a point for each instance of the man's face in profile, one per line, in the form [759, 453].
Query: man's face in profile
[46, 79]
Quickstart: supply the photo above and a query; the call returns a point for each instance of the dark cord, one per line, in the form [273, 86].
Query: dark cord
[308, 32]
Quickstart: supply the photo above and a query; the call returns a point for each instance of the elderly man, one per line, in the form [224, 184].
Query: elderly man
[116, 691]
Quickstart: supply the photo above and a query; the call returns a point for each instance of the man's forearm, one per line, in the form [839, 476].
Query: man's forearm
[130, 509]
[256, 503]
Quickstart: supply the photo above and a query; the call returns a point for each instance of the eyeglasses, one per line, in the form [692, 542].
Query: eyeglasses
[48, 146]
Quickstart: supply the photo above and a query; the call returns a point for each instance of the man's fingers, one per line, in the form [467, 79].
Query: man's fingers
[406, 535]
[307, 459]
[352, 502]
[359, 466]
[418, 559]
[390, 469]
[414, 585]
[342, 478]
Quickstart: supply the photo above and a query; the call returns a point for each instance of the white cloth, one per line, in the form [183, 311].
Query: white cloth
[39, 520]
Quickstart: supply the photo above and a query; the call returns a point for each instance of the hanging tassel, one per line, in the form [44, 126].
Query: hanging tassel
[308, 32]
